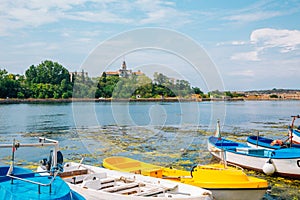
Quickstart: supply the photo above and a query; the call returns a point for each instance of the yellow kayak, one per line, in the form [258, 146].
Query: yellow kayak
[222, 180]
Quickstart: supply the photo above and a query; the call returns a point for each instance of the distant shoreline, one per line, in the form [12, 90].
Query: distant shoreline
[70, 100]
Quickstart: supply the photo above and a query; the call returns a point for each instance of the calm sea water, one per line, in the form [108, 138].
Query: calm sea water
[24, 118]
[157, 132]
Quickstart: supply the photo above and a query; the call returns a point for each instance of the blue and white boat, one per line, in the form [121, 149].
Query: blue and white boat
[291, 140]
[18, 183]
[268, 143]
[283, 162]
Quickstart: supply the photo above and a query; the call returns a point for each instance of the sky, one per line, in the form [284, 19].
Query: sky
[253, 44]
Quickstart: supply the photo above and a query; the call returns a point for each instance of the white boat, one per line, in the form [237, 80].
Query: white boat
[96, 183]
[283, 162]
[99, 183]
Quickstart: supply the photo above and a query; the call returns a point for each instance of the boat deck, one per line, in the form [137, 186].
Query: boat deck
[26, 186]
[122, 185]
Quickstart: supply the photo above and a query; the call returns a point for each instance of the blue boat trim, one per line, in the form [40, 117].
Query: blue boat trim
[237, 147]
[266, 142]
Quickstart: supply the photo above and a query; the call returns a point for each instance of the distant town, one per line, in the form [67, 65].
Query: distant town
[272, 94]
[280, 94]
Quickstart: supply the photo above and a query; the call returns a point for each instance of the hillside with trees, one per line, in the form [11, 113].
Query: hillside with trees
[51, 80]
[143, 87]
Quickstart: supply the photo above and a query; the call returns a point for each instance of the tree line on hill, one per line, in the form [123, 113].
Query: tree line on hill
[51, 80]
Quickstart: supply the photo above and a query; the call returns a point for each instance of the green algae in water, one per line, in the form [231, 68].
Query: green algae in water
[175, 147]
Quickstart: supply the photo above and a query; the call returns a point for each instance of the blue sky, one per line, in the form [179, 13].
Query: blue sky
[254, 44]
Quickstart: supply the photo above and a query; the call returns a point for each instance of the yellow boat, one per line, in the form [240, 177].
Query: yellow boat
[224, 181]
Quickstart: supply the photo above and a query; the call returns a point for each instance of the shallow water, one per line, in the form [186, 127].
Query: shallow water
[167, 134]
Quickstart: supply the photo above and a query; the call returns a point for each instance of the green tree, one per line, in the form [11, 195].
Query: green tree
[274, 96]
[197, 90]
[106, 85]
[160, 79]
[228, 94]
[47, 72]
[9, 85]
[84, 87]
[47, 80]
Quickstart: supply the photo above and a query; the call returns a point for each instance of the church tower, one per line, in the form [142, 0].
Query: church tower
[124, 67]
[124, 72]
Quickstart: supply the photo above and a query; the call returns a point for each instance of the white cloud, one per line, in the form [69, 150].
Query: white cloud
[238, 42]
[32, 13]
[101, 16]
[154, 16]
[84, 40]
[261, 40]
[30, 45]
[232, 43]
[260, 11]
[252, 17]
[32, 17]
[160, 12]
[23, 14]
[285, 40]
[249, 56]
[245, 73]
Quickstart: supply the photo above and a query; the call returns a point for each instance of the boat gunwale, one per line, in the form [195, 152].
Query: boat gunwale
[272, 152]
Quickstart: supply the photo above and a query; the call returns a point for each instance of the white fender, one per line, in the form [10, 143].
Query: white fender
[268, 167]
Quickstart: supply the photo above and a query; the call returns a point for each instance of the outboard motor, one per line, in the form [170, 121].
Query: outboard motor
[47, 163]
[60, 161]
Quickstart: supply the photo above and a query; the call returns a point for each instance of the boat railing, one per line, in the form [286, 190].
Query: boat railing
[42, 142]
[33, 182]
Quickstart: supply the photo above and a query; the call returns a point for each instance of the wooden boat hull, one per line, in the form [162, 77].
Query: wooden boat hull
[285, 161]
[224, 182]
[116, 191]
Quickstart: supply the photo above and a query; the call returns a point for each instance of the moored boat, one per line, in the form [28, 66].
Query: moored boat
[224, 181]
[100, 183]
[291, 140]
[268, 143]
[283, 162]
[18, 183]
[96, 183]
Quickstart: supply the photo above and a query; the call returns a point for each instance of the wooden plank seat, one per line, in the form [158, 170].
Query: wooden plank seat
[129, 191]
[157, 190]
[73, 173]
[152, 192]
[120, 188]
